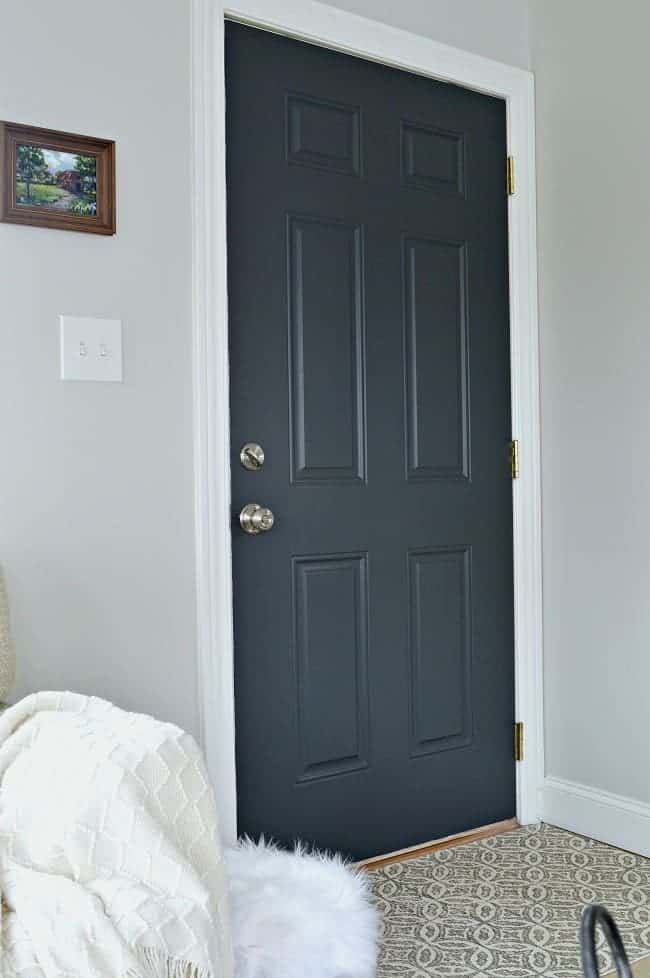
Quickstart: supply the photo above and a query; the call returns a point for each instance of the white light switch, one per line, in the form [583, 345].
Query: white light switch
[91, 349]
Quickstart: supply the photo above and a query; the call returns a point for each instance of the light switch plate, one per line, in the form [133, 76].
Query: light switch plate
[91, 349]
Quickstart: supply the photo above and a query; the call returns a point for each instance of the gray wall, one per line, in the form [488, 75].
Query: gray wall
[96, 485]
[497, 29]
[593, 156]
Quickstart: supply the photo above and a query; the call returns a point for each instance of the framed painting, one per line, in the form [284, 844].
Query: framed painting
[56, 179]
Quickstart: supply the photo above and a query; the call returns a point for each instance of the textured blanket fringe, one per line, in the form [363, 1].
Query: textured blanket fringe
[157, 964]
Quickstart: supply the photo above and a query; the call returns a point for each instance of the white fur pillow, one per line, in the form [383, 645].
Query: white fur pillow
[299, 915]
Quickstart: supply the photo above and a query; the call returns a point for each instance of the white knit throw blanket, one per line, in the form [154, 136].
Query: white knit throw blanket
[110, 859]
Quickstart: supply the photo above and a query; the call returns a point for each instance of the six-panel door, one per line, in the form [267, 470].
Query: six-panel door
[369, 358]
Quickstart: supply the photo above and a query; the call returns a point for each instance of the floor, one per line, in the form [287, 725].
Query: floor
[508, 907]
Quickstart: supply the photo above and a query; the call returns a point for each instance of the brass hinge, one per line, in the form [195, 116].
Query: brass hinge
[514, 458]
[519, 741]
[510, 175]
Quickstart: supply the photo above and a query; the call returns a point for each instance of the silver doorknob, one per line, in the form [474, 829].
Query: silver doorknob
[256, 519]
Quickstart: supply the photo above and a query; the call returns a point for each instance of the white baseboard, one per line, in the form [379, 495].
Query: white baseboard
[601, 815]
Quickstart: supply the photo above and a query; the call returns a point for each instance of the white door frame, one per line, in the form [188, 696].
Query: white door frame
[334, 28]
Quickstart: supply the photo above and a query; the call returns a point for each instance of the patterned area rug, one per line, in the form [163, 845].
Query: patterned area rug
[507, 907]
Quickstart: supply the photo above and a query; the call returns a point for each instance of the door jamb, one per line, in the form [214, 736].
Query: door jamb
[333, 28]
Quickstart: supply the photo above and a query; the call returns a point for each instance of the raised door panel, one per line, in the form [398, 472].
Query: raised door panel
[440, 637]
[433, 159]
[323, 134]
[330, 639]
[436, 359]
[326, 351]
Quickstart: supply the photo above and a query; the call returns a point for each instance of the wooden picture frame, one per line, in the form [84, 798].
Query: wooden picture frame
[56, 179]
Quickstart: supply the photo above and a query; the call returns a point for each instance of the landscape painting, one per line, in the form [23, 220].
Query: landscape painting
[57, 180]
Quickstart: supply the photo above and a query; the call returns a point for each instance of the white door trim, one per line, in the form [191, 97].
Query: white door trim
[334, 28]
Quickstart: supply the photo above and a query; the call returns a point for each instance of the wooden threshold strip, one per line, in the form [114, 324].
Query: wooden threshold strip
[473, 835]
[640, 969]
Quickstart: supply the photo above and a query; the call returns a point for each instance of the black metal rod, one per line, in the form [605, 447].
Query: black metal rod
[591, 918]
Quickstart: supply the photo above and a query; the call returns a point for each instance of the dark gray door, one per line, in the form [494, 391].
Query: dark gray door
[368, 297]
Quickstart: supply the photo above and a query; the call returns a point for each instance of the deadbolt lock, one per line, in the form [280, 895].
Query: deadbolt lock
[256, 519]
[252, 456]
